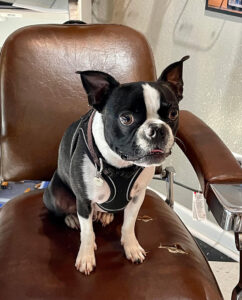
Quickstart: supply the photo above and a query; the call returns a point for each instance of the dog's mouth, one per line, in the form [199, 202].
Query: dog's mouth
[154, 157]
[155, 154]
[156, 151]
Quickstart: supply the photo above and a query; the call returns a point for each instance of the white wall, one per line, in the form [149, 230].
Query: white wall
[212, 76]
[13, 19]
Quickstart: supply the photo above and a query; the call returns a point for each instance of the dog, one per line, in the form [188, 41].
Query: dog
[108, 157]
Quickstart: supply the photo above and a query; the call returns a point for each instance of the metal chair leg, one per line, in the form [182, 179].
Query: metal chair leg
[237, 292]
[168, 174]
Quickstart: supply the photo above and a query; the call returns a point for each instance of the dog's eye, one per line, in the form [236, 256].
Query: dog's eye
[173, 114]
[126, 119]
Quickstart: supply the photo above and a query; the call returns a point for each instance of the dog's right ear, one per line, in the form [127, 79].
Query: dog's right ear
[98, 86]
[173, 75]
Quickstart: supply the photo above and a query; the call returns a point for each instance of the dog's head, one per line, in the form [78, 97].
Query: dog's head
[140, 119]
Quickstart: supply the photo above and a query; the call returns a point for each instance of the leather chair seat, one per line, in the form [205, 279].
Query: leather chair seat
[38, 253]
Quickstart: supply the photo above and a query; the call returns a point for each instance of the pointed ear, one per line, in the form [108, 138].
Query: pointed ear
[173, 75]
[98, 86]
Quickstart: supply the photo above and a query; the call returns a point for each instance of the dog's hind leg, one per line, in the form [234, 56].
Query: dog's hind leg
[59, 198]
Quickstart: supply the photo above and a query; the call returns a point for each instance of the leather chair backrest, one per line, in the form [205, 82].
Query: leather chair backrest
[41, 95]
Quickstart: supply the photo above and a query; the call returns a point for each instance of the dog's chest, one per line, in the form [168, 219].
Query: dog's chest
[100, 194]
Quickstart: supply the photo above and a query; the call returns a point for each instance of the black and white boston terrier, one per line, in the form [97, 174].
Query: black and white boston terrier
[108, 157]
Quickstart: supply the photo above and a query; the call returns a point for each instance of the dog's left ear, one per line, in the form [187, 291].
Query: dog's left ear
[173, 75]
[98, 86]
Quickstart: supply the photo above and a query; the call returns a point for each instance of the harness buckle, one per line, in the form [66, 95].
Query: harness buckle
[98, 178]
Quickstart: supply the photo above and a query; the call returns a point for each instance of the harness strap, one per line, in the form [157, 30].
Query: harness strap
[90, 140]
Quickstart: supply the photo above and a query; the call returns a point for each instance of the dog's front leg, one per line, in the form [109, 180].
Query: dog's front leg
[132, 248]
[85, 261]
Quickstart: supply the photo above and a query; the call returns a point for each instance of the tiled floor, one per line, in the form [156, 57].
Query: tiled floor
[226, 271]
[211, 253]
[227, 275]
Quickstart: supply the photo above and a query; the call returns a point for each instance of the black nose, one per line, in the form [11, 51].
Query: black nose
[156, 131]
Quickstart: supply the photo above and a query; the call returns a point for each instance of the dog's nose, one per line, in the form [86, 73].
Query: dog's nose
[155, 131]
[151, 131]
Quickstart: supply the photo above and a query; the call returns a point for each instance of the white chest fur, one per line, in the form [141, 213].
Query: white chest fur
[96, 193]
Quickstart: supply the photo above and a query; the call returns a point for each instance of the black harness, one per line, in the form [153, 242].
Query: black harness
[120, 181]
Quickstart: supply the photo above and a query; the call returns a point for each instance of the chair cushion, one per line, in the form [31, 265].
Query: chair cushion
[38, 252]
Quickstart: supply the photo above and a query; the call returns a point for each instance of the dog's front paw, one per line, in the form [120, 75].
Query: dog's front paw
[85, 261]
[133, 250]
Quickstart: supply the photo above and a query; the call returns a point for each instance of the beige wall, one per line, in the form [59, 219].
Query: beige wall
[212, 76]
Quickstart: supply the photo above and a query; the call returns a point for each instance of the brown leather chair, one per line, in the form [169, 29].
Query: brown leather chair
[40, 96]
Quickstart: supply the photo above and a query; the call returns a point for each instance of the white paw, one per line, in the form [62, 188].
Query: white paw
[104, 218]
[85, 261]
[72, 221]
[133, 250]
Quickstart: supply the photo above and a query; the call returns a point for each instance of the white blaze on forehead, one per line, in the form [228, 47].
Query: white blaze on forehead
[152, 101]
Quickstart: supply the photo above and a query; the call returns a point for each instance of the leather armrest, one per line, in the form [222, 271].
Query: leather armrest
[219, 173]
[211, 159]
